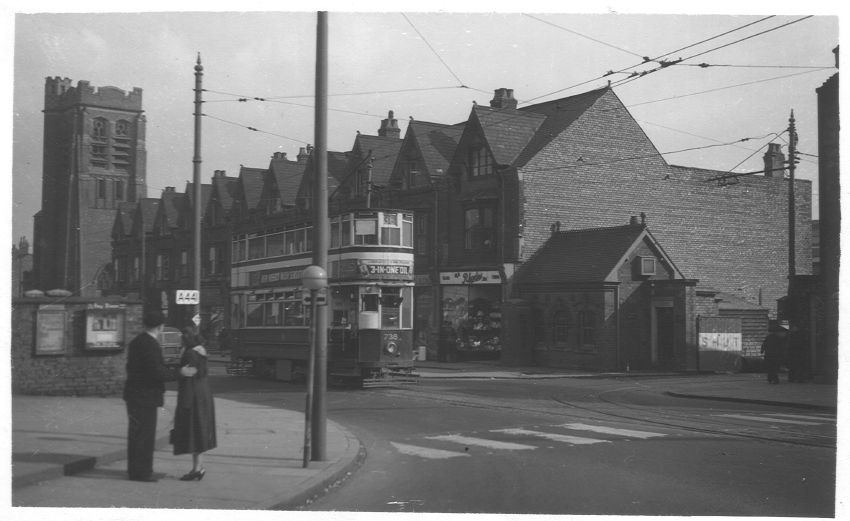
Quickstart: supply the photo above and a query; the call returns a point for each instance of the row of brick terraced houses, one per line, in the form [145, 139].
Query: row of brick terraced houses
[563, 214]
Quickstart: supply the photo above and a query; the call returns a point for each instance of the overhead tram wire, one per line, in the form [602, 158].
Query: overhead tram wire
[679, 60]
[460, 83]
[254, 129]
[646, 59]
[583, 35]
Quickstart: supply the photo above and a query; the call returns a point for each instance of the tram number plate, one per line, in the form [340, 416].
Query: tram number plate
[391, 336]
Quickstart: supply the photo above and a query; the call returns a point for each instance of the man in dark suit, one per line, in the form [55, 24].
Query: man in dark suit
[143, 392]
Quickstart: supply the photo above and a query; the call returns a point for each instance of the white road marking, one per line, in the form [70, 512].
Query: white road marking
[610, 430]
[425, 452]
[803, 417]
[763, 419]
[574, 440]
[481, 442]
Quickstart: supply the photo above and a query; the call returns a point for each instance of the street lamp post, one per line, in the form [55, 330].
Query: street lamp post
[313, 278]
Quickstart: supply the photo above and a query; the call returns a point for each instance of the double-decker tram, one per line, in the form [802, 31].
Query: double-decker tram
[369, 299]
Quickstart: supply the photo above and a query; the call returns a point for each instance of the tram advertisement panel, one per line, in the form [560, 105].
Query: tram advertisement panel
[376, 269]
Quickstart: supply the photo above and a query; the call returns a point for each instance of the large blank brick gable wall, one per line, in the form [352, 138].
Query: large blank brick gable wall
[732, 238]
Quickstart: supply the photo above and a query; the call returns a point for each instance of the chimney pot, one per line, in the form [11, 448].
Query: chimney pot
[774, 161]
[503, 99]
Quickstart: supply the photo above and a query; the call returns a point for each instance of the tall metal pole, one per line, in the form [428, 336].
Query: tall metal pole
[196, 180]
[321, 233]
[792, 209]
[311, 369]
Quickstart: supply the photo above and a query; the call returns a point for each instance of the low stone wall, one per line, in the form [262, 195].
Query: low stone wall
[66, 361]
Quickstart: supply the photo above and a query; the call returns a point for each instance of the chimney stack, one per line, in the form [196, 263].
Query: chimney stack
[304, 154]
[503, 99]
[279, 156]
[389, 127]
[774, 161]
[219, 173]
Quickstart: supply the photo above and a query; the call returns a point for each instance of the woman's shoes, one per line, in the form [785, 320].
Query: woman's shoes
[195, 474]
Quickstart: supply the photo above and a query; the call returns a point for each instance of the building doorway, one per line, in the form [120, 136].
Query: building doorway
[663, 334]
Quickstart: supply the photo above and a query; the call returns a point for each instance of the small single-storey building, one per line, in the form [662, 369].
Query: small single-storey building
[602, 299]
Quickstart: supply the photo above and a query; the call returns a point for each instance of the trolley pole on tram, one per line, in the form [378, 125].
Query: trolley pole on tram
[320, 236]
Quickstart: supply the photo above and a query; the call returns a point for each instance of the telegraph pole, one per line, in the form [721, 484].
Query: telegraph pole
[792, 209]
[320, 235]
[196, 180]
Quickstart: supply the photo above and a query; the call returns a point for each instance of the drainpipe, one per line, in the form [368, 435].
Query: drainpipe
[617, 324]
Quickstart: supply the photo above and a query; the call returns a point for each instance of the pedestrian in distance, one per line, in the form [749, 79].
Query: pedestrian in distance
[798, 355]
[194, 418]
[773, 348]
[144, 390]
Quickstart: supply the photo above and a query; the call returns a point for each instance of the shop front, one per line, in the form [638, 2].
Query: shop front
[471, 311]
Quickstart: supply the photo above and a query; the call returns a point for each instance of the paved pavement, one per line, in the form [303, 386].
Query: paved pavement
[70, 451]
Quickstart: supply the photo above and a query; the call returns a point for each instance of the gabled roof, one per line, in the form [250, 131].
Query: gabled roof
[206, 192]
[251, 185]
[337, 172]
[559, 114]
[507, 131]
[287, 176]
[124, 219]
[587, 256]
[170, 207]
[436, 142]
[146, 211]
[385, 151]
[187, 209]
[226, 190]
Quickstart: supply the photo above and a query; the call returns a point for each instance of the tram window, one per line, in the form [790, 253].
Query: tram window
[390, 302]
[290, 242]
[365, 231]
[274, 244]
[370, 302]
[308, 231]
[299, 241]
[407, 231]
[407, 308]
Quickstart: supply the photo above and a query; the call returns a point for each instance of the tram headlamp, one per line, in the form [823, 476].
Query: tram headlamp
[392, 348]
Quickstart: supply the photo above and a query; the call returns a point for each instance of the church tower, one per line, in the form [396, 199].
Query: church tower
[94, 160]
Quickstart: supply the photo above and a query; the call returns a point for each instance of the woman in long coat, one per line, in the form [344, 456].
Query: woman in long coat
[194, 417]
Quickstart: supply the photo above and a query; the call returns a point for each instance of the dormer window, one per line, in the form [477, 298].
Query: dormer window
[480, 162]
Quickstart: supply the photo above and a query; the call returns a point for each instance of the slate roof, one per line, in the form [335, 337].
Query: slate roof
[338, 163]
[730, 301]
[226, 189]
[124, 219]
[146, 211]
[436, 142]
[581, 256]
[287, 176]
[251, 183]
[206, 192]
[171, 206]
[385, 151]
[507, 131]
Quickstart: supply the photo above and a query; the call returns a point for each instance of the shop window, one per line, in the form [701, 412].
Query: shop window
[479, 228]
[480, 162]
[473, 316]
[119, 190]
[586, 328]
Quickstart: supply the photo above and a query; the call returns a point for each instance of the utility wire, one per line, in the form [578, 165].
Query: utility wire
[433, 50]
[255, 129]
[646, 59]
[584, 36]
[706, 65]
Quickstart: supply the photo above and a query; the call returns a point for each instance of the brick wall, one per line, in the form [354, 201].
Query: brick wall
[75, 372]
[731, 238]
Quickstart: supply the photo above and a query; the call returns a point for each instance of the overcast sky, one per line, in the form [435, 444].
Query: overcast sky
[427, 66]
